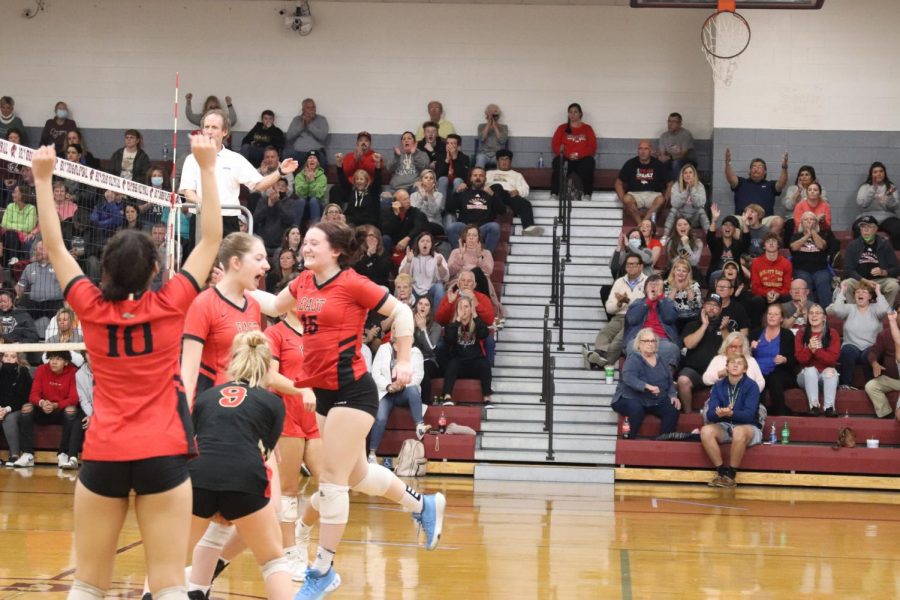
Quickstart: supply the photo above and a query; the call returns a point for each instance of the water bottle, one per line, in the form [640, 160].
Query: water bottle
[442, 423]
[540, 161]
[785, 434]
[626, 428]
[610, 373]
[773, 437]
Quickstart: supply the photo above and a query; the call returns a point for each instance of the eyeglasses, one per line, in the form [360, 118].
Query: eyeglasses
[648, 341]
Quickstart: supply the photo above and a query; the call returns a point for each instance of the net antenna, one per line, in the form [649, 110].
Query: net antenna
[724, 36]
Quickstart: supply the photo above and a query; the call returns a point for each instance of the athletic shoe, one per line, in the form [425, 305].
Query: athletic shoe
[848, 388]
[297, 563]
[26, 460]
[62, 460]
[553, 197]
[431, 519]
[388, 463]
[422, 429]
[534, 230]
[316, 585]
[586, 198]
[73, 463]
[829, 412]
[14, 457]
[728, 482]
[715, 481]
[196, 595]
[373, 460]
[147, 596]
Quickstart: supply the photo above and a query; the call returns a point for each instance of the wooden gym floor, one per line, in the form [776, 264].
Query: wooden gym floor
[532, 541]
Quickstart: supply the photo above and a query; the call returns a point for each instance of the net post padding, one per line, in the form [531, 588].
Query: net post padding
[724, 36]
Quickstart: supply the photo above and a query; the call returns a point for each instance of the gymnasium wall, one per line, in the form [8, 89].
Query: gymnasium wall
[369, 66]
[821, 85]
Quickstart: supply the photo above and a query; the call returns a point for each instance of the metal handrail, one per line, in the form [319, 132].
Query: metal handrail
[561, 305]
[548, 388]
[554, 266]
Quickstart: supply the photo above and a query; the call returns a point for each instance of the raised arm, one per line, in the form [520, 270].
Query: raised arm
[730, 175]
[64, 264]
[201, 258]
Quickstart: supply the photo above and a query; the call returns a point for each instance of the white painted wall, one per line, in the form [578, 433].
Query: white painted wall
[830, 69]
[369, 65]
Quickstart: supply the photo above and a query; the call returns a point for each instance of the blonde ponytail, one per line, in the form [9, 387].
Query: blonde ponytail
[250, 357]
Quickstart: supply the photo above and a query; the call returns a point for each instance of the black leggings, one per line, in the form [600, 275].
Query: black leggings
[583, 167]
[468, 368]
[72, 433]
[776, 382]
[431, 371]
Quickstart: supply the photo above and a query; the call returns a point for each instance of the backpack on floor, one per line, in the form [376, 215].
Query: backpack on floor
[411, 461]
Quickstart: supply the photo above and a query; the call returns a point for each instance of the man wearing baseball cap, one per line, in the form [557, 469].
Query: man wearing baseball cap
[871, 257]
[361, 158]
[702, 338]
[517, 191]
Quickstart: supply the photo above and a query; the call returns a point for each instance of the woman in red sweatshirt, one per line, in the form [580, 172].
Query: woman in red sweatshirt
[818, 347]
[576, 141]
[54, 400]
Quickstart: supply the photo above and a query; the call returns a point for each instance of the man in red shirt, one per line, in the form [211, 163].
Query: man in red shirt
[362, 158]
[770, 278]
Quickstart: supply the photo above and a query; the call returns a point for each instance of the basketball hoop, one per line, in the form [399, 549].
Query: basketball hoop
[723, 37]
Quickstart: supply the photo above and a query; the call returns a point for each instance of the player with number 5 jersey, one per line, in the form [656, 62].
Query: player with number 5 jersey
[332, 302]
[140, 437]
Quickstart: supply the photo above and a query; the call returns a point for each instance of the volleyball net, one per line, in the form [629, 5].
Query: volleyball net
[92, 206]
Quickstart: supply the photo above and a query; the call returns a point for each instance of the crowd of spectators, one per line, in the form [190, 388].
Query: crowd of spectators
[426, 217]
[762, 325]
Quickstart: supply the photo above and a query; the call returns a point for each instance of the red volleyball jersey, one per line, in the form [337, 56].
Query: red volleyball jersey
[134, 346]
[286, 344]
[214, 321]
[333, 315]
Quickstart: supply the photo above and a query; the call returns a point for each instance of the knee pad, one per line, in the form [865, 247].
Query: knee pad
[290, 509]
[314, 501]
[178, 592]
[376, 482]
[216, 536]
[276, 565]
[85, 591]
[334, 504]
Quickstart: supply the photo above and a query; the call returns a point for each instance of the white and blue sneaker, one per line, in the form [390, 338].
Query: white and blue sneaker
[431, 519]
[316, 585]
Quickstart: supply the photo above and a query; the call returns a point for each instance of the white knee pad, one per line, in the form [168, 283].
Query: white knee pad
[290, 509]
[85, 591]
[276, 565]
[377, 481]
[216, 536]
[334, 504]
[178, 592]
[314, 501]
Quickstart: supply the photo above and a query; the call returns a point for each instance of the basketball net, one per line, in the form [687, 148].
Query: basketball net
[723, 37]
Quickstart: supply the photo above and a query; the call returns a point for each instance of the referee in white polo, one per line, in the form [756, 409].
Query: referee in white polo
[232, 170]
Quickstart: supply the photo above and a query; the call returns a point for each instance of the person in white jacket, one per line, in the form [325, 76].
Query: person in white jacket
[625, 289]
[516, 188]
[735, 343]
[392, 394]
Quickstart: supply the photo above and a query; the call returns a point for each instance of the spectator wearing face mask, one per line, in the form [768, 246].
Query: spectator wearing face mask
[57, 128]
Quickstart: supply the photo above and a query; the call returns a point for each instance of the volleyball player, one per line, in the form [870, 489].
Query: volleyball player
[332, 302]
[300, 443]
[220, 313]
[140, 437]
[230, 477]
